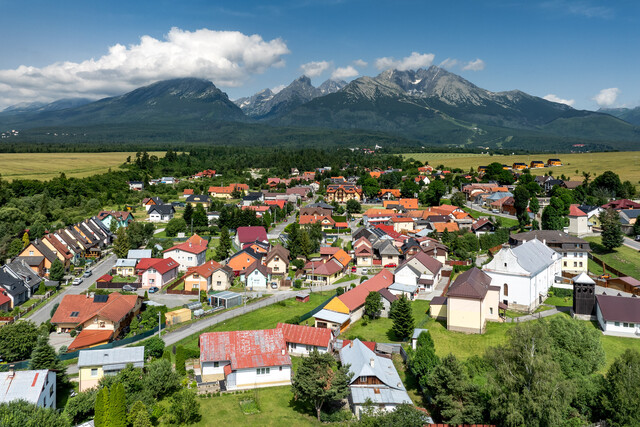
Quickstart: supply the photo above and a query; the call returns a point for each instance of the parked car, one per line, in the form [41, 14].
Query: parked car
[605, 276]
[392, 265]
[87, 273]
[274, 285]
[76, 281]
[365, 270]
[152, 290]
[128, 288]
[638, 238]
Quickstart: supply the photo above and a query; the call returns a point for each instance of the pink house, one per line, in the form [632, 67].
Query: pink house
[160, 273]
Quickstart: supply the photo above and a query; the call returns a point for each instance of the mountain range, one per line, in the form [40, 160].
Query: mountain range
[631, 115]
[424, 107]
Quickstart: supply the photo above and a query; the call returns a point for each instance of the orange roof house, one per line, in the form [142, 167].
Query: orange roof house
[375, 174]
[441, 226]
[241, 261]
[353, 300]
[405, 203]
[390, 192]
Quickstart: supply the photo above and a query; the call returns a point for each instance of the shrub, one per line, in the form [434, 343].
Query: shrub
[294, 320]
[72, 333]
[559, 292]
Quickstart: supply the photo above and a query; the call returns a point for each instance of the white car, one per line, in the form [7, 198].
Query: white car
[76, 281]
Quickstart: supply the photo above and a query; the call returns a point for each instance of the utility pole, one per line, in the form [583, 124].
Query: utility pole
[159, 324]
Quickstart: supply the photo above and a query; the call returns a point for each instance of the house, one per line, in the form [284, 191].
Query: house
[574, 251]
[536, 164]
[389, 194]
[342, 193]
[247, 235]
[93, 365]
[410, 247]
[257, 276]
[399, 289]
[277, 260]
[160, 273]
[209, 276]
[482, 226]
[618, 315]
[139, 254]
[242, 260]
[327, 223]
[168, 180]
[420, 270]
[519, 166]
[245, 359]
[161, 213]
[374, 379]
[387, 299]
[554, 162]
[136, 185]
[524, 274]
[5, 300]
[147, 202]
[253, 197]
[621, 204]
[121, 218]
[407, 204]
[14, 289]
[19, 269]
[37, 387]
[102, 317]
[471, 301]
[32, 253]
[207, 173]
[187, 254]
[363, 252]
[187, 192]
[401, 224]
[198, 199]
[302, 340]
[126, 267]
[387, 252]
[578, 221]
[628, 219]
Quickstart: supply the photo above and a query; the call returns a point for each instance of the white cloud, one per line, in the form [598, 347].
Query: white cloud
[449, 63]
[412, 62]
[278, 88]
[315, 68]
[553, 98]
[607, 97]
[475, 65]
[227, 58]
[342, 73]
[360, 63]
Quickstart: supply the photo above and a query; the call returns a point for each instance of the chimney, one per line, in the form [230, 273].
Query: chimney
[371, 362]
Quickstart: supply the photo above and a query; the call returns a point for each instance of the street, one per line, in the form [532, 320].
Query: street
[279, 229]
[488, 212]
[103, 267]
[632, 243]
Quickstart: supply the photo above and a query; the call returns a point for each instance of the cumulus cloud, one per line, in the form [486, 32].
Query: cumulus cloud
[414, 61]
[314, 68]
[360, 63]
[607, 97]
[475, 65]
[449, 63]
[342, 73]
[553, 98]
[227, 58]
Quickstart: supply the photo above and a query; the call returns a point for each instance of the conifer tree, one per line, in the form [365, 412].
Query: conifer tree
[188, 214]
[25, 240]
[117, 414]
[224, 245]
[44, 356]
[403, 319]
[101, 408]
[121, 245]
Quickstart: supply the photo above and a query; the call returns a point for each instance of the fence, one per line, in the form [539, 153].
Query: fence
[456, 262]
[171, 289]
[606, 267]
[315, 310]
[117, 285]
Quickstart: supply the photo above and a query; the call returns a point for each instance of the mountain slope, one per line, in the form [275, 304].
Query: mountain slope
[630, 115]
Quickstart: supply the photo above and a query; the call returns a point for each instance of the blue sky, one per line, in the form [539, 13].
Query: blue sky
[585, 52]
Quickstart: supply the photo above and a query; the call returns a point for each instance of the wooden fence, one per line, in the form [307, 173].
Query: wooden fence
[171, 289]
[117, 285]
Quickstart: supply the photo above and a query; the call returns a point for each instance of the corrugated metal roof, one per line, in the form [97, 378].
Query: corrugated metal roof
[299, 334]
[378, 395]
[26, 385]
[401, 287]
[331, 316]
[534, 256]
[111, 356]
[245, 349]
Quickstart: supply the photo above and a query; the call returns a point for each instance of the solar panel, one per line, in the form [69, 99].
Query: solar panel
[100, 298]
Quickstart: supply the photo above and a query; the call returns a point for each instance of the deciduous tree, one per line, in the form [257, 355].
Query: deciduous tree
[373, 305]
[611, 232]
[17, 340]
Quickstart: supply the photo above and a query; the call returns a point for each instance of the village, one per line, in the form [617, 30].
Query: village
[228, 287]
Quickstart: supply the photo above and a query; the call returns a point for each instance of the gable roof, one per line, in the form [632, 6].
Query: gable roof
[342, 257]
[164, 265]
[205, 270]
[145, 263]
[245, 349]
[574, 210]
[280, 251]
[251, 234]
[187, 247]
[429, 262]
[329, 268]
[115, 308]
[386, 294]
[161, 209]
[91, 337]
[441, 226]
[619, 309]
[300, 334]
[622, 204]
[473, 283]
[355, 297]
[22, 385]
[242, 259]
[534, 256]
[257, 265]
[112, 356]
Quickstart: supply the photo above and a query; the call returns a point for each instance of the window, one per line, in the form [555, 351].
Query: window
[565, 263]
[617, 323]
[625, 324]
[219, 283]
[30, 253]
[506, 290]
[490, 310]
[575, 255]
[564, 254]
[575, 264]
[74, 314]
[190, 258]
[580, 263]
[94, 372]
[152, 281]
[505, 264]
[263, 371]
[281, 368]
[216, 364]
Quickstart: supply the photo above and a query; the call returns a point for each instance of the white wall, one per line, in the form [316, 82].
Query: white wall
[256, 280]
[248, 378]
[186, 259]
[47, 398]
[617, 327]
[298, 349]
[406, 277]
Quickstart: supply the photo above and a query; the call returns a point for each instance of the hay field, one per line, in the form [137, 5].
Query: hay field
[44, 166]
[626, 163]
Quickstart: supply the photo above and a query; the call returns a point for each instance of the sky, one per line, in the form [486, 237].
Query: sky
[585, 53]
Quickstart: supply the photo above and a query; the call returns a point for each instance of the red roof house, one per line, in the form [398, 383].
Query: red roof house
[248, 235]
[303, 339]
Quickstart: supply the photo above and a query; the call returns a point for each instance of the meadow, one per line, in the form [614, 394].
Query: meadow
[45, 166]
[625, 163]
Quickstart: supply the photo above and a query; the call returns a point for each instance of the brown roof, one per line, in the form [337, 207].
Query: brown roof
[439, 301]
[472, 283]
[280, 251]
[90, 337]
[428, 261]
[386, 294]
[263, 269]
[115, 308]
[328, 268]
[619, 309]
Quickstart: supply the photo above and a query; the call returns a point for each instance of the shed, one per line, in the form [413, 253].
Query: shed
[106, 278]
[178, 316]
[225, 299]
[302, 297]
[193, 305]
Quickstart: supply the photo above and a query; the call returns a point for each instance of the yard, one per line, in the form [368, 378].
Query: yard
[506, 222]
[625, 259]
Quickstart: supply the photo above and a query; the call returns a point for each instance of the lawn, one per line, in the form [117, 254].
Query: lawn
[264, 318]
[506, 222]
[45, 166]
[560, 301]
[276, 408]
[625, 259]
[349, 277]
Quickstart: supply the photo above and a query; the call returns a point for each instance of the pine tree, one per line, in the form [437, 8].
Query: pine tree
[117, 414]
[25, 240]
[403, 319]
[188, 214]
[611, 233]
[57, 271]
[101, 408]
[180, 361]
[44, 356]
[224, 245]
[121, 245]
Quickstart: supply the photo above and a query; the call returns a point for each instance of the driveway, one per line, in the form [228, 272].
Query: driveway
[103, 267]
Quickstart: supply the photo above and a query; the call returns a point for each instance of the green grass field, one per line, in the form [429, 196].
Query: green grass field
[626, 164]
[44, 166]
[625, 259]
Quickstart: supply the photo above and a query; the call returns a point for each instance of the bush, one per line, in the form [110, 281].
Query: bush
[559, 292]
[294, 320]
[297, 284]
[336, 416]
[72, 333]
[339, 290]
[153, 347]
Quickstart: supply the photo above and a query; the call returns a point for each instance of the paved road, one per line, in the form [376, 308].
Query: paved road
[104, 266]
[488, 212]
[632, 243]
[279, 229]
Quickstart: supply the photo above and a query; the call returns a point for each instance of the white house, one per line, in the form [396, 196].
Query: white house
[161, 213]
[578, 221]
[188, 254]
[420, 270]
[618, 315]
[160, 273]
[524, 273]
[245, 359]
[302, 340]
[257, 276]
[37, 387]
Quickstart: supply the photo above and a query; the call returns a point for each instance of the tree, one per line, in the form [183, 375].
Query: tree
[370, 186]
[620, 396]
[15, 247]
[459, 199]
[56, 273]
[101, 408]
[25, 240]
[434, 192]
[181, 360]
[160, 379]
[139, 415]
[552, 219]
[81, 406]
[373, 305]
[44, 356]
[409, 188]
[454, 397]
[405, 415]
[187, 215]
[534, 205]
[17, 340]
[224, 245]
[608, 182]
[317, 381]
[175, 226]
[611, 232]
[20, 413]
[199, 217]
[121, 244]
[153, 347]
[117, 414]
[184, 408]
[521, 203]
[403, 319]
[422, 362]
[353, 206]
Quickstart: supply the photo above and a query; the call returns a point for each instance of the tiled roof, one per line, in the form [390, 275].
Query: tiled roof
[574, 210]
[328, 250]
[164, 265]
[115, 308]
[622, 204]
[205, 270]
[329, 268]
[473, 283]
[299, 334]
[342, 257]
[145, 263]
[251, 234]
[278, 250]
[187, 247]
[257, 265]
[245, 349]
[241, 260]
[432, 264]
[449, 226]
[90, 337]
[355, 297]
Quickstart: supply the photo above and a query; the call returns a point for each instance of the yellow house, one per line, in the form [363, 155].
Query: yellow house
[178, 316]
[95, 364]
[277, 260]
[208, 276]
[554, 162]
[536, 164]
